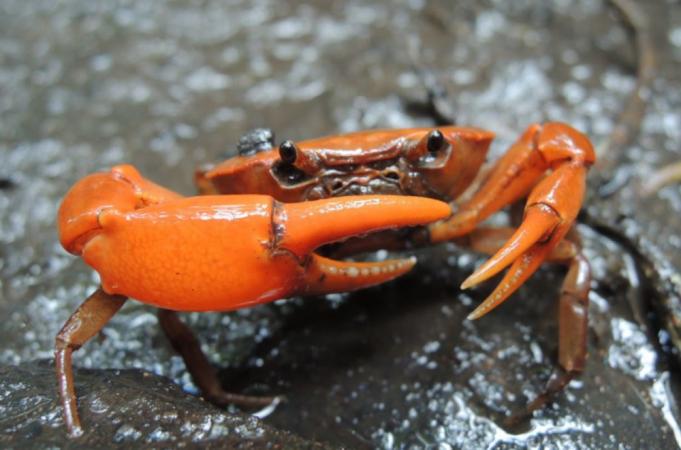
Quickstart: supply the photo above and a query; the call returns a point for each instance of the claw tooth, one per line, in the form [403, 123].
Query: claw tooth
[325, 275]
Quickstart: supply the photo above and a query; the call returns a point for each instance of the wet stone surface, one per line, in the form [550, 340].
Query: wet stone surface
[123, 408]
[167, 86]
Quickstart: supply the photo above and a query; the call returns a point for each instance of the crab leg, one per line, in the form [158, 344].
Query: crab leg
[551, 208]
[573, 315]
[203, 373]
[574, 294]
[87, 321]
[572, 311]
[573, 323]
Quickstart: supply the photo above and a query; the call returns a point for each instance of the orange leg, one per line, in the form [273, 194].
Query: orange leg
[552, 205]
[574, 294]
[572, 313]
[573, 334]
[83, 324]
[203, 373]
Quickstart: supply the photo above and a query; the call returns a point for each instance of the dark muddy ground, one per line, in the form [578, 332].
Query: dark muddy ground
[167, 86]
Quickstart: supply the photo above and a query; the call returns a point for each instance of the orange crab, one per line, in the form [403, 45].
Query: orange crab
[210, 253]
[223, 252]
[548, 165]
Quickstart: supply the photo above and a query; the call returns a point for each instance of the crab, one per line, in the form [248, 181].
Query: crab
[548, 165]
[249, 239]
[210, 253]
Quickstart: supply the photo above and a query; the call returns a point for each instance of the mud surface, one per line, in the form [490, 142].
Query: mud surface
[167, 86]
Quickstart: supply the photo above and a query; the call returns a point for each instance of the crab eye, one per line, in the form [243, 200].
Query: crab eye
[436, 141]
[288, 152]
[286, 172]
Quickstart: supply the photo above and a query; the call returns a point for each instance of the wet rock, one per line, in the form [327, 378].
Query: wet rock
[123, 409]
[401, 367]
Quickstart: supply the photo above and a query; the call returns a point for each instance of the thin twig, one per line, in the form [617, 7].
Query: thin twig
[629, 122]
[668, 174]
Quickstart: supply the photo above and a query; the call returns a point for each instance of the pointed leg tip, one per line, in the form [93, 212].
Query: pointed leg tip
[495, 299]
[469, 282]
[475, 314]
[75, 432]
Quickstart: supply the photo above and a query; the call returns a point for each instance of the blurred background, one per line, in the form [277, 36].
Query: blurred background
[170, 85]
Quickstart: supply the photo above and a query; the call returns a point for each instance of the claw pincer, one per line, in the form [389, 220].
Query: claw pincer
[552, 204]
[212, 253]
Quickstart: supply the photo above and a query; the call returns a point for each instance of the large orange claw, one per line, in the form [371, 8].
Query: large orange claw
[224, 252]
[552, 205]
[212, 253]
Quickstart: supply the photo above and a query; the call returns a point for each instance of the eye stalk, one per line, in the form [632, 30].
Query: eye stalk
[288, 152]
[436, 141]
[294, 166]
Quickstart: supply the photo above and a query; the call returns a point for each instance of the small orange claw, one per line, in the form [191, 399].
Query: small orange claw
[552, 206]
[541, 222]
